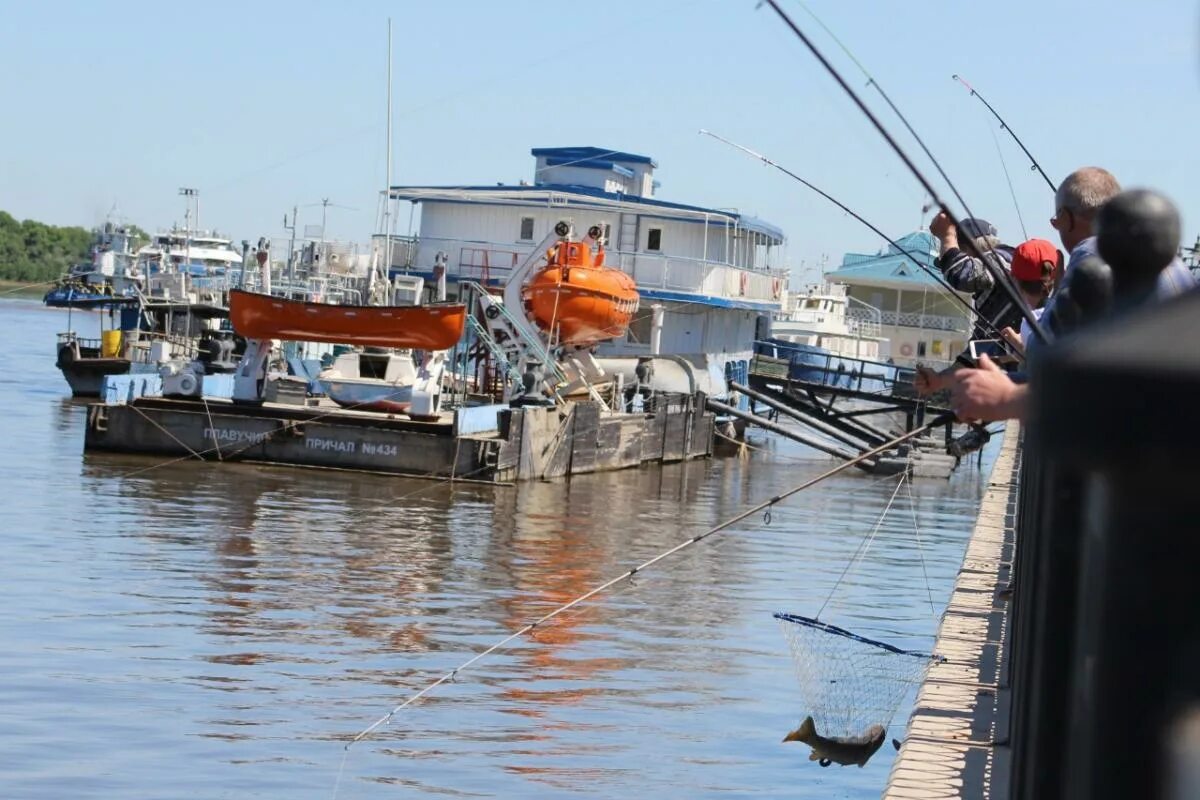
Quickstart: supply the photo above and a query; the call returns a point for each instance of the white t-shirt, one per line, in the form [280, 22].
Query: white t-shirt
[1026, 331]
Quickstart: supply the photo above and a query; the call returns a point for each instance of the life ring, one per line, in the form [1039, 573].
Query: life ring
[745, 283]
[906, 349]
[776, 288]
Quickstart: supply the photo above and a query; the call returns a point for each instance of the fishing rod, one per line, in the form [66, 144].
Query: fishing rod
[943, 419]
[997, 273]
[935, 274]
[871, 81]
[886, 98]
[900, 115]
[1034, 165]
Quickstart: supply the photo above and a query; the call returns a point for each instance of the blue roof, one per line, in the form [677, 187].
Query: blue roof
[890, 264]
[746, 222]
[580, 156]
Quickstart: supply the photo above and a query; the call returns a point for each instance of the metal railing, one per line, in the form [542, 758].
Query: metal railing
[925, 321]
[494, 261]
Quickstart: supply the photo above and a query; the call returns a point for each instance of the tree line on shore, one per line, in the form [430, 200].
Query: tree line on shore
[33, 251]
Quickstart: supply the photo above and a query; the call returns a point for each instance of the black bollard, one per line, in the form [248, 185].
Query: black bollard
[1138, 234]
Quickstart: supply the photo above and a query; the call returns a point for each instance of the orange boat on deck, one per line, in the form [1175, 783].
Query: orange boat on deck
[260, 316]
[579, 298]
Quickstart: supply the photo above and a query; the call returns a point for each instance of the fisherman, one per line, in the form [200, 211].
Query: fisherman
[1037, 267]
[967, 273]
[1137, 235]
[1077, 204]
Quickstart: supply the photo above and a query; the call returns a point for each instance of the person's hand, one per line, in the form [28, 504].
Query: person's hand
[942, 225]
[1014, 339]
[985, 394]
[926, 381]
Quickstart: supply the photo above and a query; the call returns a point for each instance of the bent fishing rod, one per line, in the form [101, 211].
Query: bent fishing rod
[1034, 165]
[943, 419]
[933, 273]
[997, 272]
[871, 81]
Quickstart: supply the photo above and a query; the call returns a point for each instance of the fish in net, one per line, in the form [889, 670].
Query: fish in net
[850, 688]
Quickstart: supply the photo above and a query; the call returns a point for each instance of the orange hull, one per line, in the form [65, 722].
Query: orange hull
[260, 316]
[579, 298]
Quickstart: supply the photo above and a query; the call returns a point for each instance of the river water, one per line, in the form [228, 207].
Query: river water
[219, 631]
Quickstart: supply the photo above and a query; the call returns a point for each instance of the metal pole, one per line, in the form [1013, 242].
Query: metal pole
[387, 185]
[324, 210]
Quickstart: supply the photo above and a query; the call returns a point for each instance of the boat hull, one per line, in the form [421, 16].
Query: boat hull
[368, 395]
[86, 376]
[433, 327]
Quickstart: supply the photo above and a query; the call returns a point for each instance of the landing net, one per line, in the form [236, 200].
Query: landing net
[848, 682]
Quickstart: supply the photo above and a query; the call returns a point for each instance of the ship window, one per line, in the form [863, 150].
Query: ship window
[526, 229]
[920, 349]
[605, 232]
[654, 239]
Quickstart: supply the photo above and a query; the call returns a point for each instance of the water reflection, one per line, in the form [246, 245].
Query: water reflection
[221, 628]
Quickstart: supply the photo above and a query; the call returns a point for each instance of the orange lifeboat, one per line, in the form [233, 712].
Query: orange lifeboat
[579, 299]
[433, 327]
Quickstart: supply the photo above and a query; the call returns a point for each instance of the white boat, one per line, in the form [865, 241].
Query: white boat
[707, 277]
[820, 318]
[196, 253]
[371, 379]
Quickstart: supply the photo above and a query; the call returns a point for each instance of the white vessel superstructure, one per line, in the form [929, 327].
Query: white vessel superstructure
[820, 317]
[708, 278]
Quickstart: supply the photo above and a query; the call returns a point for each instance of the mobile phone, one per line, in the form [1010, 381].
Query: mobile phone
[995, 349]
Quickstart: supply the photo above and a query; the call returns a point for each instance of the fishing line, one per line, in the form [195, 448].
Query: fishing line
[758, 508]
[864, 545]
[933, 273]
[1034, 165]
[1008, 179]
[997, 273]
[912, 504]
[28, 286]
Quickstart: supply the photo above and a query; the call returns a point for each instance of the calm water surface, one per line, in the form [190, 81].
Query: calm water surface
[218, 631]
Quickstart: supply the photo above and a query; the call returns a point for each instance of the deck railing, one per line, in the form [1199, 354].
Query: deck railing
[925, 321]
[491, 263]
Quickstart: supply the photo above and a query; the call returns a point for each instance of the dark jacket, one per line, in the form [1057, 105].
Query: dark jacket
[967, 273]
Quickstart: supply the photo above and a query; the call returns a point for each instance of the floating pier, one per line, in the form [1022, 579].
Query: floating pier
[805, 392]
[492, 443]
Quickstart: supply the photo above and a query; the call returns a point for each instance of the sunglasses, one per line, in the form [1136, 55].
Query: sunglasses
[1058, 215]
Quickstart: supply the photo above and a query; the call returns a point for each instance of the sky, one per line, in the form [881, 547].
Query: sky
[262, 106]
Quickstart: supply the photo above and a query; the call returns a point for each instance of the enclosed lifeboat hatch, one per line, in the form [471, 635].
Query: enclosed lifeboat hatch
[575, 298]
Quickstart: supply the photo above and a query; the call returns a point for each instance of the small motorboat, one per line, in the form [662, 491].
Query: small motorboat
[576, 299]
[431, 327]
[376, 379]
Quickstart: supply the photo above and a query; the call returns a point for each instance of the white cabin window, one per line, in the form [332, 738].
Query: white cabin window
[605, 233]
[526, 229]
[654, 240]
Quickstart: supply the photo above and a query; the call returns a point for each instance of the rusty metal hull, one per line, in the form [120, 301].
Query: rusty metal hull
[527, 443]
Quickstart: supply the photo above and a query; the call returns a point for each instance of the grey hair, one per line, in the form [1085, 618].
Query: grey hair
[1085, 190]
[986, 244]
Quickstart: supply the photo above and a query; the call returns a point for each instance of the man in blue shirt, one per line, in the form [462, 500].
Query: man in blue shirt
[1076, 202]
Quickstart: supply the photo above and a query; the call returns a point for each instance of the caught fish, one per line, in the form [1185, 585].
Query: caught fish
[845, 750]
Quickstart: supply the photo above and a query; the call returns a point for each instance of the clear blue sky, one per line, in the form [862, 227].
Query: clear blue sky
[261, 105]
